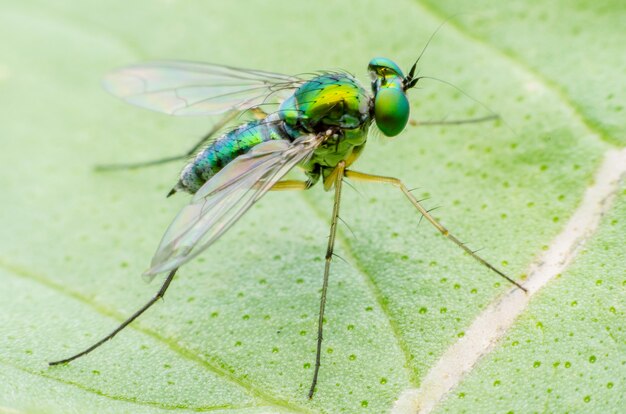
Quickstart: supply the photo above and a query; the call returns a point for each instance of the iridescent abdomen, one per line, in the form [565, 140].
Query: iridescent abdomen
[225, 149]
[333, 100]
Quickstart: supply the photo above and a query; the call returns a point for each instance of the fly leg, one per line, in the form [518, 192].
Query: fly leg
[286, 185]
[335, 178]
[281, 185]
[358, 176]
[492, 117]
[291, 185]
[124, 324]
[132, 166]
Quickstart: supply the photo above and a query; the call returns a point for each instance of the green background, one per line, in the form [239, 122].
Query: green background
[236, 332]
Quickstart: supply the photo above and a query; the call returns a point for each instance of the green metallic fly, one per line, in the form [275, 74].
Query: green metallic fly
[321, 125]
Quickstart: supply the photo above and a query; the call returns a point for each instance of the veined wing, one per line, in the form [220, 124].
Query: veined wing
[190, 88]
[222, 200]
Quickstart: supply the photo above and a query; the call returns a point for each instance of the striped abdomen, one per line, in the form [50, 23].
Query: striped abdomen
[226, 148]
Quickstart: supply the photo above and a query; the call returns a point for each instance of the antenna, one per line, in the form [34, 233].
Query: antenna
[409, 82]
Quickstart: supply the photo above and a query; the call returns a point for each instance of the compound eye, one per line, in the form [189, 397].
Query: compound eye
[391, 111]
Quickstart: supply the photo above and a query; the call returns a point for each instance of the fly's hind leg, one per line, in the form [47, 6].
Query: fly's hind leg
[124, 324]
[286, 185]
[132, 166]
[358, 176]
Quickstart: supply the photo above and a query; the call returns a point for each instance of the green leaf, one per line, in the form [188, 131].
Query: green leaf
[236, 331]
[566, 353]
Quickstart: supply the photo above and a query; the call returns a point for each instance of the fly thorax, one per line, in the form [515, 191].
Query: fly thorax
[330, 100]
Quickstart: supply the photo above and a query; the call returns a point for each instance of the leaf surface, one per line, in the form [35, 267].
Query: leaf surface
[236, 331]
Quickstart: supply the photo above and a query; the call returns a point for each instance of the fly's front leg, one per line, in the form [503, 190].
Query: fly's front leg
[132, 166]
[358, 176]
[492, 117]
[337, 177]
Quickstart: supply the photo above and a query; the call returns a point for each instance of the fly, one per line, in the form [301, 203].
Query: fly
[321, 125]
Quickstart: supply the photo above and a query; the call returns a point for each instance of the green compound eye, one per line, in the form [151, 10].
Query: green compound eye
[391, 111]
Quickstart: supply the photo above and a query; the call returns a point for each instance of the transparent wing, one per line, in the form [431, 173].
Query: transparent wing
[190, 88]
[222, 200]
